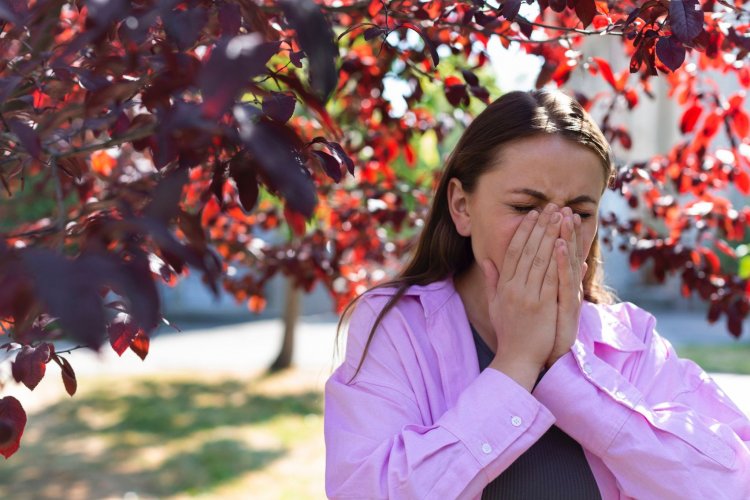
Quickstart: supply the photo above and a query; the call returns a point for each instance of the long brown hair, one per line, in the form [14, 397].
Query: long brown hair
[441, 251]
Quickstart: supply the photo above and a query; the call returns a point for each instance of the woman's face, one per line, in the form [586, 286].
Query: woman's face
[529, 173]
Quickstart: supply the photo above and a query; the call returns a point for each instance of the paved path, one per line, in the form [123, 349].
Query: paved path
[245, 349]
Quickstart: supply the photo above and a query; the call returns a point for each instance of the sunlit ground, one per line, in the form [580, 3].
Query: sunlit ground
[173, 437]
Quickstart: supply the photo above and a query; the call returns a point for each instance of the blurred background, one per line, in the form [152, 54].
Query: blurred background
[214, 412]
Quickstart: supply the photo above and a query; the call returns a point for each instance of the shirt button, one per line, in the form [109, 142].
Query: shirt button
[516, 421]
[587, 368]
[486, 448]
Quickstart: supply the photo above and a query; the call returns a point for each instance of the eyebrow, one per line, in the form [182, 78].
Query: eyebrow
[543, 197]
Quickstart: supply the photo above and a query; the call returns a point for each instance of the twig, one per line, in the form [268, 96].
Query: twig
[73, 349]
[108, 144]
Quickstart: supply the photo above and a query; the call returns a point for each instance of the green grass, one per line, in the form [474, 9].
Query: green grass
[162, 438]
[719, 358]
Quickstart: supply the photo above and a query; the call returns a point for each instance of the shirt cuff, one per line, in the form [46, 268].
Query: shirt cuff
[582, 410]
[493, 414]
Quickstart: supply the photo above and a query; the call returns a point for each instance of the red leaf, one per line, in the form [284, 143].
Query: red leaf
[67, 373]
[12, 423]
[725, 248]
[140, 345]
[121, 335]
[295, 220]
[742, 181]
[606, 70]
[410, 157]
[741, 123]
[31, 364]
[586, 10]
[711, 259]
[689, 118]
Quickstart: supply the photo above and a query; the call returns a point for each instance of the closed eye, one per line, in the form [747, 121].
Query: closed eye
[527, 208]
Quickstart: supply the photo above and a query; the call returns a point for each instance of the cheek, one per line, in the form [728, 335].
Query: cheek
[588, 232]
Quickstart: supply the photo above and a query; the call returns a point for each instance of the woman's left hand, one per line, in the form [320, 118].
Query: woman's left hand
[572, 268]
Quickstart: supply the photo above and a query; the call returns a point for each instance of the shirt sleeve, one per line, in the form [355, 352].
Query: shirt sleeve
[665, 431]
[380, 443]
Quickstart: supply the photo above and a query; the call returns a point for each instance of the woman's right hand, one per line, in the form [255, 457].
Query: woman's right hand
[522, 297]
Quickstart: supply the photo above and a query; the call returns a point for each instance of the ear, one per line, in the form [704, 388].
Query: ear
[458, 205]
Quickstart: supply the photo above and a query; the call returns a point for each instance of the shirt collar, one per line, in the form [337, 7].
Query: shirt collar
[602, 324]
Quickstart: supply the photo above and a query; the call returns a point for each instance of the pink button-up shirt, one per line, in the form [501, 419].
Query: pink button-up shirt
[420, 421]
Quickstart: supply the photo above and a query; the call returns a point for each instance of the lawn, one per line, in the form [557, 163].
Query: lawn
[720, 358]
[172, 437]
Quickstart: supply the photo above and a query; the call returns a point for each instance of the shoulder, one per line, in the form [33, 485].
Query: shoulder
[394, 323]
[622, 325]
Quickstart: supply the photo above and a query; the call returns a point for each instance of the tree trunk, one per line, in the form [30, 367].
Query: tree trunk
[291, 315]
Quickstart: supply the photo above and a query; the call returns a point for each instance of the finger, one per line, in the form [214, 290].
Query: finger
[579, 238]
[569, 234]
[517, 243]
[541, 260]
[550, 285]
[490, 279]
[531, 248]
[567, 291]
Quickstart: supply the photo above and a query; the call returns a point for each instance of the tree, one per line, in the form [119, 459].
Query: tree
[173, 135]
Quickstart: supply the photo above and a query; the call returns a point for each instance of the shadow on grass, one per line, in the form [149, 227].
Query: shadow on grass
[152, 438]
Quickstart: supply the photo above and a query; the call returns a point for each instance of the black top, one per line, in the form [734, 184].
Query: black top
[553, 468]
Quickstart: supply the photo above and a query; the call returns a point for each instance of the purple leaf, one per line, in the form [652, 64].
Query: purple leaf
[341, 155]
[510, 8]
[105, 12]
[557, 5]
[275, 149]
[27, 136]
[586, 11]
[331, 166]
[165, 199]
[67, 294]
[296, 58]
[232, 63]
[315, 36]
[184, 26]
[671, 52]
[427, 42]
[7, 86]
[373, 32]
[470, 77]
[230, 19]
[278, 106]
[686, 19]
[243, 170]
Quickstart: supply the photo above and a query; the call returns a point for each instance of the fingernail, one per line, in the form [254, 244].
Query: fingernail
[533, 214]
[551, 207]
[567, 211]
[556, 217]
[577, 218]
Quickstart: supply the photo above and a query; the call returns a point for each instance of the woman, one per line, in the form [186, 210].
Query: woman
[496, 363]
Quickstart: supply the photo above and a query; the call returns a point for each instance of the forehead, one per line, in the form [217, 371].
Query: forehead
[551, 164]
